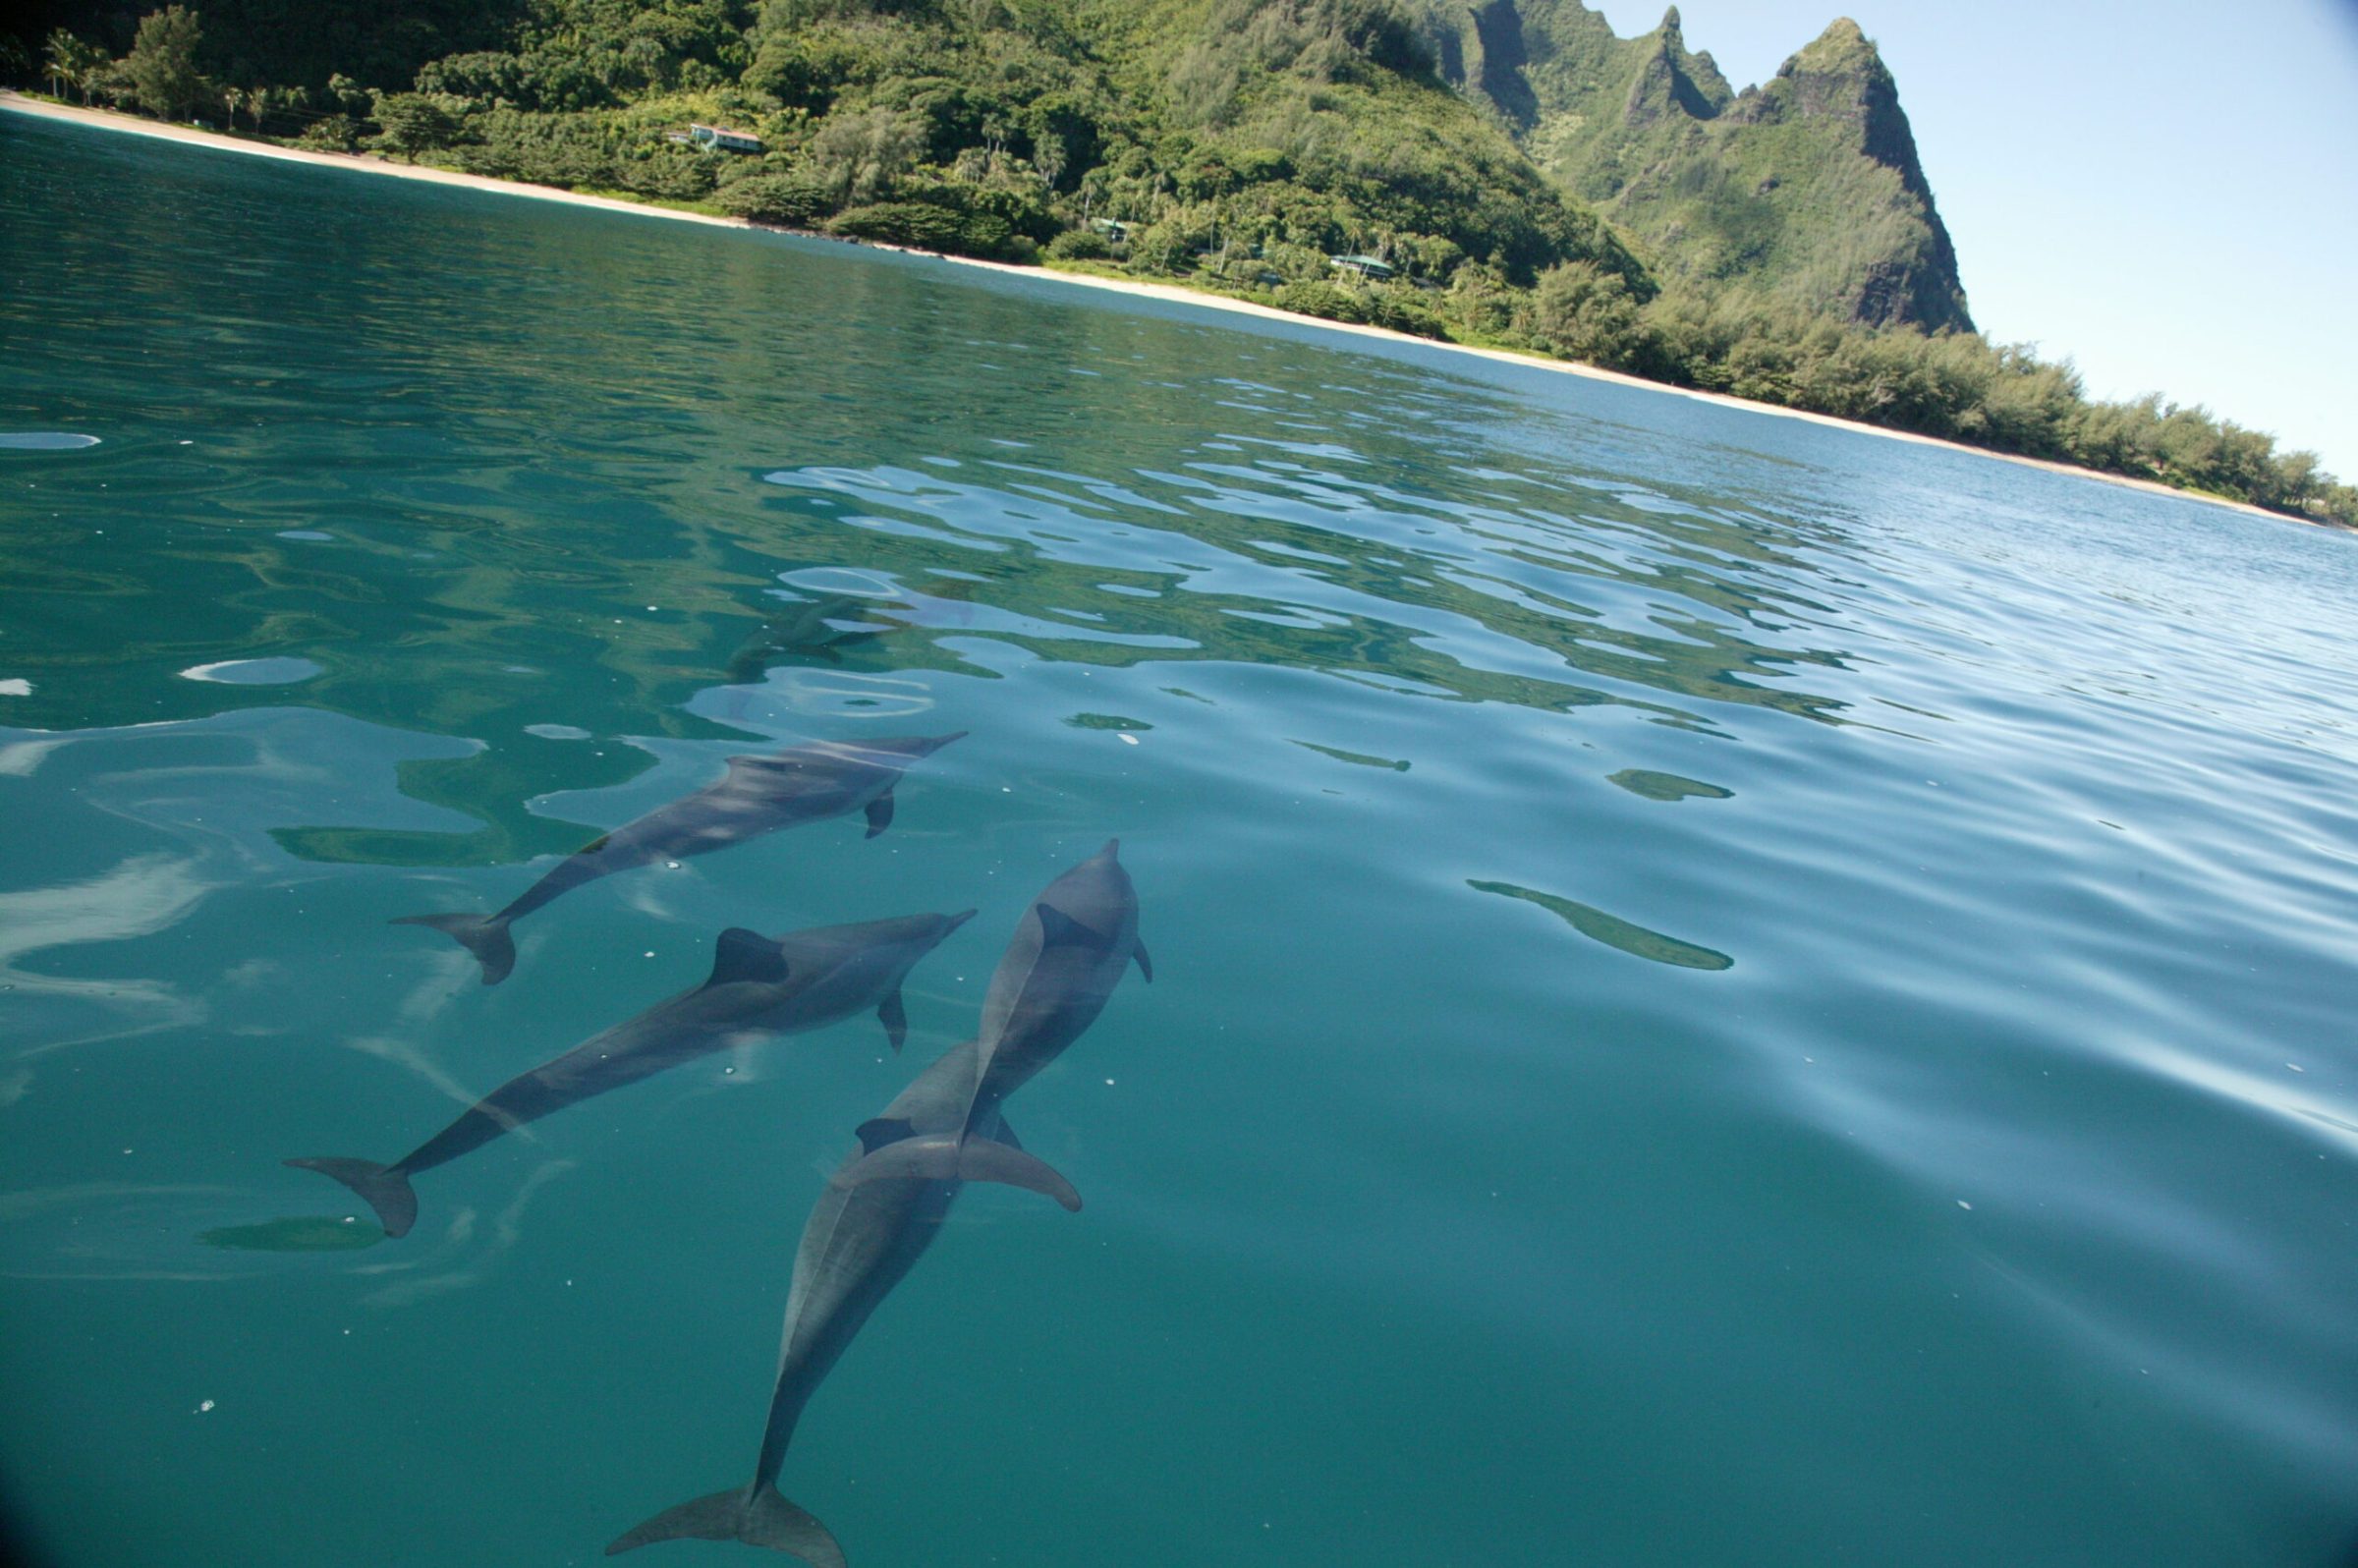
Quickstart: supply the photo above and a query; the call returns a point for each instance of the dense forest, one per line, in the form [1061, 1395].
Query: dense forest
[1569, 194]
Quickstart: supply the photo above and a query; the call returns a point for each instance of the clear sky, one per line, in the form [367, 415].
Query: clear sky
[2165, 193]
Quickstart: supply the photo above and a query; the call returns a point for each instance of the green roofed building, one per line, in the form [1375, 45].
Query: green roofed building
[720, 141]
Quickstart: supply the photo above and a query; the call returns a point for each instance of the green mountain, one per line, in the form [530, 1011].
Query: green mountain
[1808, 186]
[1266, 136]
[1502, 172]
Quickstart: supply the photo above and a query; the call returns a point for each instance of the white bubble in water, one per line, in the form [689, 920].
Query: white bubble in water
[253, 672]
[44, 441]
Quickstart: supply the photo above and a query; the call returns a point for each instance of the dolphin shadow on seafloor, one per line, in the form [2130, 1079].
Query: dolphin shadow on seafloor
[758, 795]
[881, 1210]
[759, 986]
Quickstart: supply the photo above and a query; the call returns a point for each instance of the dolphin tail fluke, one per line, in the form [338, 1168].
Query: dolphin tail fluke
[484, 935]
[963, 1159]
[384, 1189]
[758, 1515]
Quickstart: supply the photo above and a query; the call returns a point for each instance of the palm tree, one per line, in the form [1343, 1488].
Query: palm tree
[75, 64]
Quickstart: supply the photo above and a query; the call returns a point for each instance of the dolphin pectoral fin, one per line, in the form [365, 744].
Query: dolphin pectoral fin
[895, 1018]
[969, 1159]
[484, 935]
[1059, 930]
[383, 1189]
[874, 1135]
[742, 955]
[879, 814]
[1146, 965]
[758, 1516]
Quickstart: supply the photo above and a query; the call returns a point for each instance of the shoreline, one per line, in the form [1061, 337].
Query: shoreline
[14, 102]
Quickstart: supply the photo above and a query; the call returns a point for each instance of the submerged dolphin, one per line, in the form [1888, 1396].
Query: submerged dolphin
[815, 628]
[1068, 954]
[758, 795]
[871, 1225]
[802, 981]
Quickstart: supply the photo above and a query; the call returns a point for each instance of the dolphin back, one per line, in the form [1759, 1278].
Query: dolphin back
[758, 1515]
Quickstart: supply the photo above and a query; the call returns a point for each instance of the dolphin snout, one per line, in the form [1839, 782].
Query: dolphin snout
[950, 923]
[935, 743]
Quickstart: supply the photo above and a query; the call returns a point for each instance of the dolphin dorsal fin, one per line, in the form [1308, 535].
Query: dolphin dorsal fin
[742, 955]
[1059, 930]
[948, 1157]
[874, 1135]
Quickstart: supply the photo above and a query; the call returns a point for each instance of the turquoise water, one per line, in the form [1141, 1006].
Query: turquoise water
[1726, 992]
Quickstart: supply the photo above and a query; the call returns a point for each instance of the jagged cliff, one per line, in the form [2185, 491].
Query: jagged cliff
[1807, 186]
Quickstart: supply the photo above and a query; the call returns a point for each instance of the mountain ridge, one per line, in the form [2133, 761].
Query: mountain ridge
[1807, 186]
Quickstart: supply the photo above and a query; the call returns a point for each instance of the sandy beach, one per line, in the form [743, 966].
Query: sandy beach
[106, 119]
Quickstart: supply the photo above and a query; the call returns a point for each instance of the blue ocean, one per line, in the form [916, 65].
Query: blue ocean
[1724, 990]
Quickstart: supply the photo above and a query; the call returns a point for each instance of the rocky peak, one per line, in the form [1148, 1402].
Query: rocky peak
[1841, 76]
[1672, 80]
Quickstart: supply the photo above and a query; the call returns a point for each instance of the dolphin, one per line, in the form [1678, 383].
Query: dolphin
[758, 795]
[871, 1224]
[759, 985]
[816, 627]
[1069, 952]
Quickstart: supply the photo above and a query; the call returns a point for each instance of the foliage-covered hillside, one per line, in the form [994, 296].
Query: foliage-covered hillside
[1311, 154]
[1807, 186]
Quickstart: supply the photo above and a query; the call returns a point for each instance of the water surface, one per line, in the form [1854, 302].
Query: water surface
[1726, 990]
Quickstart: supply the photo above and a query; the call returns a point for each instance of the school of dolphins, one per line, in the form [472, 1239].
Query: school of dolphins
[884, 1205]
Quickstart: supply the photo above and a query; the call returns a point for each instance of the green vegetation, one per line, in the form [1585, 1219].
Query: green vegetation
[1806, 190]
[1528, 180]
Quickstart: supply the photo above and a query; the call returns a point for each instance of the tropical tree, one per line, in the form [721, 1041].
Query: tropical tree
[162, 67]
[348, 95]
[1582, 313]
[73, 63]
[411, 123]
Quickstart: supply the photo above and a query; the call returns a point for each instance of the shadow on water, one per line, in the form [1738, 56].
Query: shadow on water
[1614, 931]
[304, 1233]
[1654, 786]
